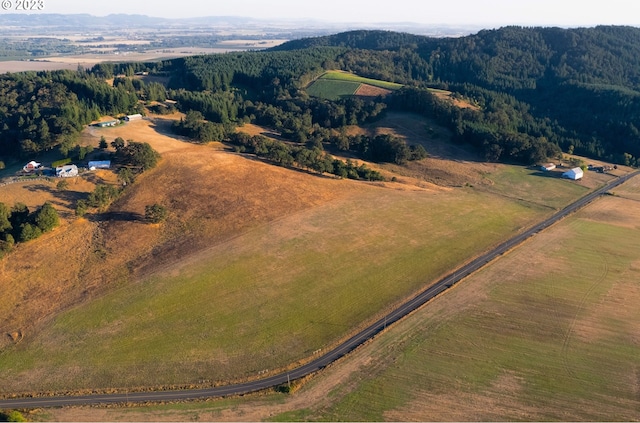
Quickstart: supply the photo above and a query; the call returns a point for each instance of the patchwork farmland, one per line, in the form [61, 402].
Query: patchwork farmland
[334, 85]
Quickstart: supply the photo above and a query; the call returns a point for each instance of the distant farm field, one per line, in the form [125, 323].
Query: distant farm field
[332, 89]
[345, 76]
[334, 85]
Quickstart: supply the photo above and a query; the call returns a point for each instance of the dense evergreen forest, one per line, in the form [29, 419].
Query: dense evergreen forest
[538, 91]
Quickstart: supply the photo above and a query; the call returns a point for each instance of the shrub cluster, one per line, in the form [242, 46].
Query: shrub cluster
[19, 225]
[138, 155]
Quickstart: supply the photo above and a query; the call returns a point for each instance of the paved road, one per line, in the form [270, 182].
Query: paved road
[332, 355]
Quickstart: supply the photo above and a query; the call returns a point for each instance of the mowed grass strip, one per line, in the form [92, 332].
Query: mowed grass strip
[548, 332]
[267, 298]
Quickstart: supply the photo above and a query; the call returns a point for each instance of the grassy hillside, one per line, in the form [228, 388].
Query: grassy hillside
[548, 332]
[256, 267]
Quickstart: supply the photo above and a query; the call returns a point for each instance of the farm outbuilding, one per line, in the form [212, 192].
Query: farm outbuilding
[66, 171]
[108, 123]
[575, 174]
[547, 167]
[32, 165]
[129, 118]
[99, 164]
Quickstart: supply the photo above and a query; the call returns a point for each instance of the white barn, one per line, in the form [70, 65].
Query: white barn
[66, 171]
[575, 174]
[129, 118]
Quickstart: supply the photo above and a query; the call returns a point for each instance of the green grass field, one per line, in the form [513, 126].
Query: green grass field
[267, 298]
[530, 185]
[344, 76]
[547, 333]
[332, 89]
[334, 85]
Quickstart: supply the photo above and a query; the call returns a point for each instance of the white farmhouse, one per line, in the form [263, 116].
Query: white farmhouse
[66, 171]
[32, 165]
[575, 174]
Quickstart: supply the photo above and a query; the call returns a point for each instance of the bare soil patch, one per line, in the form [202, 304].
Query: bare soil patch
[458, 102]
[366, 90]
[253, 130]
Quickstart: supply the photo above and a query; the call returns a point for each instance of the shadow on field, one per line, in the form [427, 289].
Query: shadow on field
[115, 216]
[553, 175]
[163, 127]
[65, 195]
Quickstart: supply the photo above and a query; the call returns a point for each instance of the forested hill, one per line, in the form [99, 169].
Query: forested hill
[538, 90]
[510, 58]
[360, 39]
[562, 75]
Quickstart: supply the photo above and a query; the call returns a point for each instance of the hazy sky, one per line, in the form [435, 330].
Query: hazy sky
[490, 12]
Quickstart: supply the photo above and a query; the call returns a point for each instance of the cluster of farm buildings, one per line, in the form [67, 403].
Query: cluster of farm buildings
[116, 122]
[575, 173]
[71, 170]
[67, 170]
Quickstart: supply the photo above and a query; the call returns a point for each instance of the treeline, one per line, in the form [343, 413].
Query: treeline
[45, 110]
[315, 159]
[563, 75]
[38, 113]
[18, 224]
[194, 126]
[359, 39]
[268, 73]
[380, 148]
[502, 130]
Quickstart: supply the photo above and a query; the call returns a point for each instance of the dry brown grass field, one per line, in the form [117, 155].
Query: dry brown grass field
[521, 340]
[237, 191]
[214, 197]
